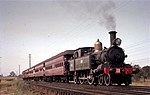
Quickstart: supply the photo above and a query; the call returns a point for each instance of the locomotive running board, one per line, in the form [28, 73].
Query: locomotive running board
[71, 81]
[82, 78]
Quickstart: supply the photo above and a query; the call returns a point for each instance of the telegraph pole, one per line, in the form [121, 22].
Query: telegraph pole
[19, 70]
[0, 66]
[29, 60]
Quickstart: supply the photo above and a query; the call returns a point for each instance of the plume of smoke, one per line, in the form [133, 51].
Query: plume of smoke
[96, 10]
[108, 17]
[102, 11]
[109, 21]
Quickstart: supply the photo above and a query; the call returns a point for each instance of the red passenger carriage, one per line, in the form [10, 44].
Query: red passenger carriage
[57, 67]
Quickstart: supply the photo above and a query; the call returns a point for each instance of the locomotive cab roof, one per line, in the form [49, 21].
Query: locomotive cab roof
[85, 48]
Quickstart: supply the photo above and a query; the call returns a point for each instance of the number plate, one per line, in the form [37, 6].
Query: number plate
[118, 70]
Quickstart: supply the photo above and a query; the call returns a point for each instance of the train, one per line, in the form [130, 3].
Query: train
[86, 65]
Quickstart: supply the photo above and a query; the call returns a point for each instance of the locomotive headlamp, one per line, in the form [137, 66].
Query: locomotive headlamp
[117, 42]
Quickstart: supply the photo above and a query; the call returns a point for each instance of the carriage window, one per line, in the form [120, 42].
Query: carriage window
[58, 65]
[49, 67]
[36, 70]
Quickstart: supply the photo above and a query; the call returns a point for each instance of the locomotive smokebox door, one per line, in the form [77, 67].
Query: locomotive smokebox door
[112, 36]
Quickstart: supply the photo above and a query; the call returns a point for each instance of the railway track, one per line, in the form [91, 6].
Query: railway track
[73, 89]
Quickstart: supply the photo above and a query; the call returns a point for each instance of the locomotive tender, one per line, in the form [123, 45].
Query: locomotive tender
[92, 65]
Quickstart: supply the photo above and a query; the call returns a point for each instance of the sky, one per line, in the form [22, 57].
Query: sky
[44, 28]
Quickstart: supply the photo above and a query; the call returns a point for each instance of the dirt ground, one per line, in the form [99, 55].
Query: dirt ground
[141, 83]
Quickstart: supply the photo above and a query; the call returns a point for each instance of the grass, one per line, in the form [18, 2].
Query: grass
[14, 87]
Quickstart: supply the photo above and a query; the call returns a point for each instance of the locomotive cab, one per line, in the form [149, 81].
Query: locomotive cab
[83, 51]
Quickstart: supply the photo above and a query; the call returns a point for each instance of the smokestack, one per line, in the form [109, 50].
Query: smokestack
[112, 36]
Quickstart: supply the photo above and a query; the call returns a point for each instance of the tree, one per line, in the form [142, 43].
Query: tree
[146, 72]
[1, 75]
[138, 75]
[12, 74]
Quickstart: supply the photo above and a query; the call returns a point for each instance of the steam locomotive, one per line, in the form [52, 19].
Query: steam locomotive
[92, 65]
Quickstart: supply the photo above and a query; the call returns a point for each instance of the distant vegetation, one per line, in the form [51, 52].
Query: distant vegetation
[143, 74]
[14, 86]
[12, 74]
[1, 75]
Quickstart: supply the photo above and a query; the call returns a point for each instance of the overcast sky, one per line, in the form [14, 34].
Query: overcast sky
[45, 28]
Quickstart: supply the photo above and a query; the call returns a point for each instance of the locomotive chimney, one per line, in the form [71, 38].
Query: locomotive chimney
[112, 36]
